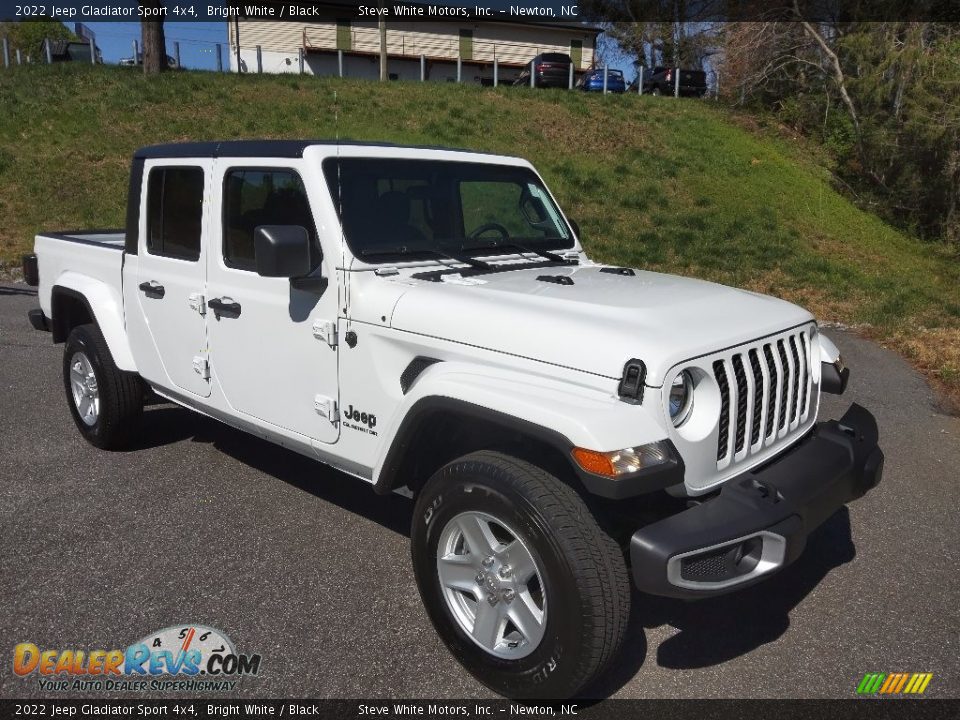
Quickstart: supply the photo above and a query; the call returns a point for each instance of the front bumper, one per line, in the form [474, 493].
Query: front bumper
[760, 521]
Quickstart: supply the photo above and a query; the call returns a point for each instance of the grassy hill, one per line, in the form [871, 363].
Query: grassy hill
[683, 187]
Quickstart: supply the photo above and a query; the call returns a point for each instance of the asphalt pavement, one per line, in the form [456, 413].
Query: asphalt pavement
[311, 569]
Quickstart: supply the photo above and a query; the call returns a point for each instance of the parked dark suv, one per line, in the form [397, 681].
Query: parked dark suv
[550, 70]
[662, 82]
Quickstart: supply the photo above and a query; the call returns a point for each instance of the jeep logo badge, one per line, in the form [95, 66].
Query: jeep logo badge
[368, 419]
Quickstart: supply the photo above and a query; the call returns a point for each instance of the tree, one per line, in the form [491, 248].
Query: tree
[154, 42]
[896, 137]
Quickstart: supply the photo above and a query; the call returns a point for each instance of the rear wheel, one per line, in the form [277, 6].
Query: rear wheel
[656, 91]
[106, 402]
[520, 582]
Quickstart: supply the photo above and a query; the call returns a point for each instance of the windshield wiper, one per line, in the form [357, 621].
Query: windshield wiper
[552, 256]
[403, 250]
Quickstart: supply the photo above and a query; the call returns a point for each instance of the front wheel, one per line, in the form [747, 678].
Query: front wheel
[522, 585]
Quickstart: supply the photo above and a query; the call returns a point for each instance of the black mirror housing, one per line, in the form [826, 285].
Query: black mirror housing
[282, 250]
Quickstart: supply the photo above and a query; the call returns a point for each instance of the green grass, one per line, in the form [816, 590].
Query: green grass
[685, 187]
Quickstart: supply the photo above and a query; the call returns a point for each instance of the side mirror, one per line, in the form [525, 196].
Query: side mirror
[282, 250]
[576, 227]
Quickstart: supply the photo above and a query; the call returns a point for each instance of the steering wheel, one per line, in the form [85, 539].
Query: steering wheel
[504, 233]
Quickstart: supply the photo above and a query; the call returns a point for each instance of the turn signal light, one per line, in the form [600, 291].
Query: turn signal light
[618, 463]
[595, 462]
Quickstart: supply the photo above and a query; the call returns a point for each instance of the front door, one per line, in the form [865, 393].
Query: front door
[172, 272]
[271, 352]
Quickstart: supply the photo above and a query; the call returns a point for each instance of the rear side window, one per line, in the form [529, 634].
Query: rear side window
[175, 212]
[555, 57]
[262, 196]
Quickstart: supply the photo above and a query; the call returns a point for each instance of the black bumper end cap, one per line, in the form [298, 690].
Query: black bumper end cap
[38, 320]
[833, 381]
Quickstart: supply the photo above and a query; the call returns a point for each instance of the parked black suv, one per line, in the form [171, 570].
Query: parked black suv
[550, 70]
[662, 82]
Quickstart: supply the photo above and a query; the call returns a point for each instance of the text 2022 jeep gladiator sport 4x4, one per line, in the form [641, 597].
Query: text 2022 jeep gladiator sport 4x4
[426, 320]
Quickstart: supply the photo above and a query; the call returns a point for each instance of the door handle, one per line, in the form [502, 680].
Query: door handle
[152, 289]
[224, 306]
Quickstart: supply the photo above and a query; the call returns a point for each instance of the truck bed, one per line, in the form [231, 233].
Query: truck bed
[72, 258]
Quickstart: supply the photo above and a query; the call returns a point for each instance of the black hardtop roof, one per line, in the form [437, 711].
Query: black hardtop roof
[258, 148]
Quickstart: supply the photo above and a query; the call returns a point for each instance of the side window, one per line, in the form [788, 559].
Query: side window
[261, 196]
[175, 212]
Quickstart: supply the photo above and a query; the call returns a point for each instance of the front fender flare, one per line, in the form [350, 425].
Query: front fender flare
[554, 412]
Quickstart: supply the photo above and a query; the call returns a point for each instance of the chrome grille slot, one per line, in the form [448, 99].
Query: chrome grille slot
[784, 372]
[795, 395]
[758, 396]
[741, 377]
[721, 375]
[770, 400]
[765, 393]
[804, 387]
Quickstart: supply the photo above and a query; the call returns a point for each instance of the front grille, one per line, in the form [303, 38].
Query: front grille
[706, 566]
[764, 394]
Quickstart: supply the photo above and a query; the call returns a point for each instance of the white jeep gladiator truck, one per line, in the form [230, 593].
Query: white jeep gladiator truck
[426, 320]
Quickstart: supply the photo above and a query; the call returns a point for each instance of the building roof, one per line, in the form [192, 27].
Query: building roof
[258, 148]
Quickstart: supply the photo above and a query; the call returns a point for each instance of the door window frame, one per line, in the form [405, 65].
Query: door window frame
[145, 210]
[224, 206]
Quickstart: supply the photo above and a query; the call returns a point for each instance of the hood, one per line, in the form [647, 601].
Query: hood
[597, 323]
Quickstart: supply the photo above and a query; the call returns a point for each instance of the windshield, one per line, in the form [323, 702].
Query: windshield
[405, 207]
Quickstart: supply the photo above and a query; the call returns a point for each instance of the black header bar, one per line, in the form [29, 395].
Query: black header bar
[216, 706]
[590, 12]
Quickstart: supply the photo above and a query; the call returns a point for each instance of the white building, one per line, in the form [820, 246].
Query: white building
[327, 43]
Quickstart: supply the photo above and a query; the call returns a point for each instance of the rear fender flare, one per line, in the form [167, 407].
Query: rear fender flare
[106, 308]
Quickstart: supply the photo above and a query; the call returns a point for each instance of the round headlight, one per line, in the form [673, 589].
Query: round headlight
[681, 398]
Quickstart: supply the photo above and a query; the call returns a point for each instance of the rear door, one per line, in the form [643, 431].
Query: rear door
[172, 272]
[273, 353]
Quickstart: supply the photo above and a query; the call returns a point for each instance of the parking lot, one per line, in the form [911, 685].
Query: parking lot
[308, 567]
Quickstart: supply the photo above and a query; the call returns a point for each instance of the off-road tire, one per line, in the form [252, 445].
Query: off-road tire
[120, 392]
[584, 575]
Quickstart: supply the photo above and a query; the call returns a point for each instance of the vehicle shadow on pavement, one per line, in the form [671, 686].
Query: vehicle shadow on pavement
[709, 632]
[165, 424]
[716, 630]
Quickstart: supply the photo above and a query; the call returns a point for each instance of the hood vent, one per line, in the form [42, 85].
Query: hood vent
[556, 279]
[629, 272]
